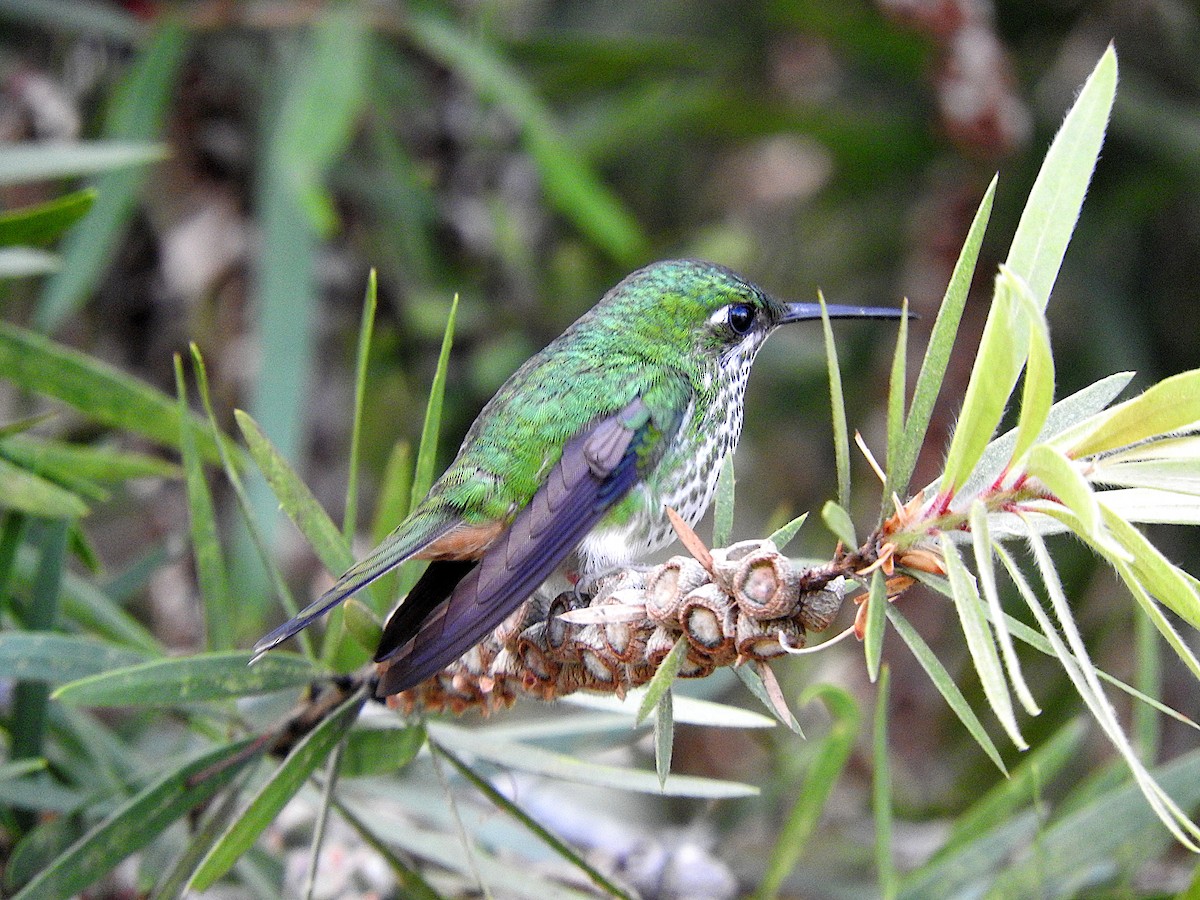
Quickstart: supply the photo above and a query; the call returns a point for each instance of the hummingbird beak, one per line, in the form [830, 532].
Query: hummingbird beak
[804, 312]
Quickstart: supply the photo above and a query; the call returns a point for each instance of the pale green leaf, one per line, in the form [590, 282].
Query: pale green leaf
[137, 822]
[837, 403]
[980, 641]
[660, 685]
[59, 658]
[945, 684]
[1170, 406]
[365, 330]
[939, 349]
[1157, 507]
[1175, 476]
[29, 493]
[881, 789]
[876, 618]
[24, 262]
[191, 679]
[42, 160]
[664, 738]
[723, 503]
[838, 521]
[274, 794]
[1162, 578]
[536, 760]
[783, 535]
[1037, 396]
[1067, 484]
[373, 751]
[688, 710]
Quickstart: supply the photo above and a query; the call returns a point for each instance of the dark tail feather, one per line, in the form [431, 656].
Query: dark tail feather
[434, 587]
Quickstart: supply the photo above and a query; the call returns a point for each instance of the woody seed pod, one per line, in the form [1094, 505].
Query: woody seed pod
[764, 585]
[818, 609]
[668, 584]
[708, 618]
[728, 560]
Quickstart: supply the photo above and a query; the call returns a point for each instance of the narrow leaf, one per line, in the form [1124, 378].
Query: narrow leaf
[45, 222]
[782, 536]
[664, 737]
[896, 396]
[838, 521]
[1038, 393]
[881, 790]
[945, 684]
[723, 504]
[25, 492]
[980, 641]
[59, 658]
[138, 821]
[191, 679]
[365, 331]
[837, 402]
[660, 685]
[1171, 405]
[373, 751]
[274, 794]
[43, 160]
[873, 636]
[753, 681]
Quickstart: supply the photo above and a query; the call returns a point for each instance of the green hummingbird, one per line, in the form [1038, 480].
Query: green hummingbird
[575, 459]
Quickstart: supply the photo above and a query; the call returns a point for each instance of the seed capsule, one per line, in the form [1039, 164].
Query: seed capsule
[667, 585]
[708, 618]
[765, 585]
[818, 609]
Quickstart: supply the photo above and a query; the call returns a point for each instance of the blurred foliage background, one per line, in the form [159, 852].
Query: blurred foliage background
[527, 155]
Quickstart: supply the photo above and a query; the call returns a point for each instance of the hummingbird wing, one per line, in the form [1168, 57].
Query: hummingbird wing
[410, 539]
[598, 467]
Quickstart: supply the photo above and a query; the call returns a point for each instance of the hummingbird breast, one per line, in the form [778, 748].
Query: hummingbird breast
[685, 479]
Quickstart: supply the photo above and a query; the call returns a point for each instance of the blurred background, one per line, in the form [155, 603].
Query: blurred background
[526, 156]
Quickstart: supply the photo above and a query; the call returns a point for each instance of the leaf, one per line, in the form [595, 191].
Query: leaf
[687, 710]
[99, 391]
[44, 223]
[373, 751]
[1050, 213]
[211, 571]
[980, 642]
[937, 353]
[1036, 253]
[25, 262]
[1171, 405]
[274, 794]
[191, 679]
[365, 331]
[660, 685]
[837, 403]
[527, 758]
[68, 462]
[881, 790]
[873, 636]
[138, 821]
[22, 490]
[758, 688]
[1037, 395]
[838, 521]
[549, 839]
[59, 658]
[723, 503]
[42, 160]
[782, 536]
[664, 738]
[984, 564]
[832, 753]
[362, 624]
[896, 388]
[135, 114]
[295, 498]
[945, 684]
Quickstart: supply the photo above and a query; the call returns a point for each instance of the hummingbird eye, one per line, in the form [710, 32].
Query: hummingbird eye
[741, 318]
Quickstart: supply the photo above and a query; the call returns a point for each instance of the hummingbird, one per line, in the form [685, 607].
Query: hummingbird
[572, 464]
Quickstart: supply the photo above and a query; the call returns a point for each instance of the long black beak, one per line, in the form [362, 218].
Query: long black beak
[804, 312]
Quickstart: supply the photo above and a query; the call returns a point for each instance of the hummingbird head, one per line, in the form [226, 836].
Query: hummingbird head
[705, 317]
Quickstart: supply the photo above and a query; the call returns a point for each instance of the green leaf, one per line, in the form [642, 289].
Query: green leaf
[687, 710]
[25, 262]
[365, 331]
[512, 809]
[832, 753]
[881, 789]
[1069, 487]
[527, 758]
[896, 388]
[1037, 396]
[373, 751]
[99, 391]
[295, 498]
[985, 565]
[754, 683]
[837, 403]
[274, 794]
[1041, 239]
[660, 685]
[137, 822]
[43, 160]
[873, 636]
[59, 658]
[664, 738]
[1175, 476]
[70, 463]
[22, 490]
[211, 571]
[937, 353]
[1036, 253]
[136, 114]
[782, 536]
[571, 185]
[45, 222]
[1169, 406]
[723, 503]
[838, 521]
[191, 679]
[945, 684]
[980, 642]
[362, 624]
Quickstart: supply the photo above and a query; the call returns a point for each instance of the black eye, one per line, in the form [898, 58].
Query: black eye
[741, 318]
